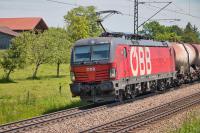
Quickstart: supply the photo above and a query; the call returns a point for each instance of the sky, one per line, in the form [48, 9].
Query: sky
[53, 12]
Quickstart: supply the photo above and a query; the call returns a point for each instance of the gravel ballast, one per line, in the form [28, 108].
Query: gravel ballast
[170, 124]
[81, 123]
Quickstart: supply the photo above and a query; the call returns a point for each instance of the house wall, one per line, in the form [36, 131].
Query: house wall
[5, 40]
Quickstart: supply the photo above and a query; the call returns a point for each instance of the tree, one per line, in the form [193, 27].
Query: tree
[176, 29]
[191, 34]
[39, 51]
[8, 65]
[82, 23]
[94, 29]
[167, 36]
[61, 46]
[161, 32]
[153, 28]
[15, 56]
[171, 33]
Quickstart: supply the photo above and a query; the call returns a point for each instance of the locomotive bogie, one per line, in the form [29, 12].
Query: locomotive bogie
[93, 92]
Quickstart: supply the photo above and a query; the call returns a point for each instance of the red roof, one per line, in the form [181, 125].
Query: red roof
[8, 31]
[23, 23]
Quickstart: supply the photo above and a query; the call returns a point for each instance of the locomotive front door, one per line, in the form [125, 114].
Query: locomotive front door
[125, 63]
[122, 62]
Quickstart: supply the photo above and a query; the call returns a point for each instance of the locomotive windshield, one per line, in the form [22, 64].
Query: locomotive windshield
[82, 53]
[100, 52]
[91, 53]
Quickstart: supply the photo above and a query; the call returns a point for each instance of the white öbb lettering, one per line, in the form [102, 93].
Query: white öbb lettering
[140, 60]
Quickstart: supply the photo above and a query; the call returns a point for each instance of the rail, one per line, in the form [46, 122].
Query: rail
[129, 123]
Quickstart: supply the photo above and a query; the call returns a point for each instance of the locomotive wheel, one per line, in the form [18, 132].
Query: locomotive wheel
[129, 93]
[121, 96]
[161, 86]
[133, 94]
[153, 90]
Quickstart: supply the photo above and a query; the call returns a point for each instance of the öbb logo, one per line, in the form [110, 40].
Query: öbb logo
[90, 69]
[140, 61]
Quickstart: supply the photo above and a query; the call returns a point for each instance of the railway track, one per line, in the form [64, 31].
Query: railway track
[36, 122]
[28, 124]
[132, 122]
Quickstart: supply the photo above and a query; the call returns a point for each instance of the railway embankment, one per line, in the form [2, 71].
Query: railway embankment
[85, 122]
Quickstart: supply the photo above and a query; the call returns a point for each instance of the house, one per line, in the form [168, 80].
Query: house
[12, 27]
[24, 24]
[6, 35]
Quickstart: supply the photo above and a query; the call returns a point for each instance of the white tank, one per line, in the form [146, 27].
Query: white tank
[182, 58]
[197, 60]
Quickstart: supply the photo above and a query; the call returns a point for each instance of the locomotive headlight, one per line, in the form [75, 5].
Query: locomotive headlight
[112, 73]
[72, 75]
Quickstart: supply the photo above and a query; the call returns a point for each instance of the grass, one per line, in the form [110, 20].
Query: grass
[25, 98]
[191, 125]
[1, 52]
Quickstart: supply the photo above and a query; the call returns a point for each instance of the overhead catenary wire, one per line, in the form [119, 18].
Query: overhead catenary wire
[170, 10]
[180, 11]
[76, 5]
[175, 11]
[177, 7]
[66, 3]
[168, 3]
[175, 19]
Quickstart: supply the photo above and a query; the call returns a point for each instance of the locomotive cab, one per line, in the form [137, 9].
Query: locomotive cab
[92, 70]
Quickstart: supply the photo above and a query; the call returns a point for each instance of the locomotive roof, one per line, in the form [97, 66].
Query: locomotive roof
[116, 41]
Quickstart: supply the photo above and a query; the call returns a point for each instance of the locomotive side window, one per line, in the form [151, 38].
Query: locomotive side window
[82, 53]
[100, 52]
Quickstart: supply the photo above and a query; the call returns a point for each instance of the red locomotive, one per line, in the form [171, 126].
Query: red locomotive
[109, 68]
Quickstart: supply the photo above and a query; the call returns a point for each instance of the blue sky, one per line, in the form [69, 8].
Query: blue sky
[53, 12]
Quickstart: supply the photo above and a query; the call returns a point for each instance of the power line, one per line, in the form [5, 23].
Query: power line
[175, 11]
[189, 6]
[165, 14]
[168, 3]
[130, 15]
[60, 2]
[66, 3]
[170, 10]
[155, 2]
[136, 5]
[166, 19]
[180, 9]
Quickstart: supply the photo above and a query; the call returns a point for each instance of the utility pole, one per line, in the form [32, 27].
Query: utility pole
[136, 5]
[136, 16]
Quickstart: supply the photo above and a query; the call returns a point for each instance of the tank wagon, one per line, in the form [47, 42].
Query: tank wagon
[187, 59]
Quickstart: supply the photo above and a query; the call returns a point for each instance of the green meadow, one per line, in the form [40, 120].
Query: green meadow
[1, 53]
[191, 124]
[25, 98]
